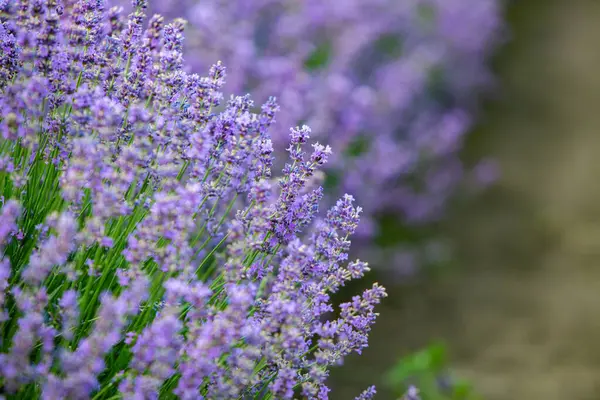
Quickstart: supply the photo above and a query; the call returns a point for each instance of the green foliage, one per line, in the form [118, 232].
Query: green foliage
[389, 44]
[426, 14]
[358, 146]
[427, 369]
[320, 57]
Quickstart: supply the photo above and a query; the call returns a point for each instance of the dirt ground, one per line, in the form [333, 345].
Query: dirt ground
[522, 315]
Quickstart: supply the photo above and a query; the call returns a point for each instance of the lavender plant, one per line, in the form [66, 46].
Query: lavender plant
[145, 249]
[391, 84]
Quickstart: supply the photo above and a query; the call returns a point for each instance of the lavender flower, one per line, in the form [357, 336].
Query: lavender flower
[392, 85]
[368, 394]
[145, 249]
[8, 220]
[411, 394]
[4, 275]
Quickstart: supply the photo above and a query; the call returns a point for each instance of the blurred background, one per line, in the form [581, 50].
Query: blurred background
[518, 308]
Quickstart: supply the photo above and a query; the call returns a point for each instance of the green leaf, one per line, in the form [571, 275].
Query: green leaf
[320, 57]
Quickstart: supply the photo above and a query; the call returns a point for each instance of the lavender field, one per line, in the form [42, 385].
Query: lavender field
[289, 199]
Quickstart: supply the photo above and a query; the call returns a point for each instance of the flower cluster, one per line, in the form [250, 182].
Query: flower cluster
[145, 249]
[392, 85]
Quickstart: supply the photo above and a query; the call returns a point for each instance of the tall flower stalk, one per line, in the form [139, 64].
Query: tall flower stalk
[145, 249]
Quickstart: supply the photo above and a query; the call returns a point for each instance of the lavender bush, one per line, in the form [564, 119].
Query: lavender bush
[392, 85]
[145, 250]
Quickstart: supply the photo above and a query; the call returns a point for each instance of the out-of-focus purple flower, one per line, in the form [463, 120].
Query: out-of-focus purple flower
[411, 394]
[486, 172]
[54, 251]
[4, 275]
[69, 313]
[8, 220]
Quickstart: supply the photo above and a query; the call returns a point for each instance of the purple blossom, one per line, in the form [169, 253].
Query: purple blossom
[368, 394]
[53, 251]
[4, 275]
[155, 353]
[153, 250]
[8, 220]
[283, 385]
[83, 365]
[411, 394]
[70, 313]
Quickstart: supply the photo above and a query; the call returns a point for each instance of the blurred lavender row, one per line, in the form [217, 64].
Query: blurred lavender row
[392, 85]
